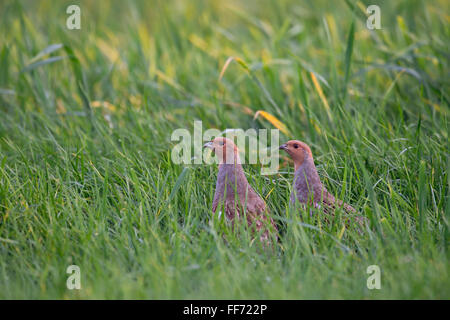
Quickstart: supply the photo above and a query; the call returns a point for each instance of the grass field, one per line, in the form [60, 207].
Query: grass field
[86, 176]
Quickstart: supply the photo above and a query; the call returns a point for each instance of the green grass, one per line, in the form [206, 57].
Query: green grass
[91, 183]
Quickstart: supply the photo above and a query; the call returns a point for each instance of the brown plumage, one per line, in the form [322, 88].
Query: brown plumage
[307, 188]
[233, 190]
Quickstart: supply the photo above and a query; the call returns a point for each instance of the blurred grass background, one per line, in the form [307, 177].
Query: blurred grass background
[85, 170]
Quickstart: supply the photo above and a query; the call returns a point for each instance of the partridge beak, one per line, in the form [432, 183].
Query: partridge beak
[283, 147]
[209, 144]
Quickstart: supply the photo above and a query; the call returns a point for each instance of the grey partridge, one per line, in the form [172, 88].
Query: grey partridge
[307, 187]
[233, 192]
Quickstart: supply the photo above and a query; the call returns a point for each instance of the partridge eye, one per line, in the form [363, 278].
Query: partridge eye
[296, 146]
